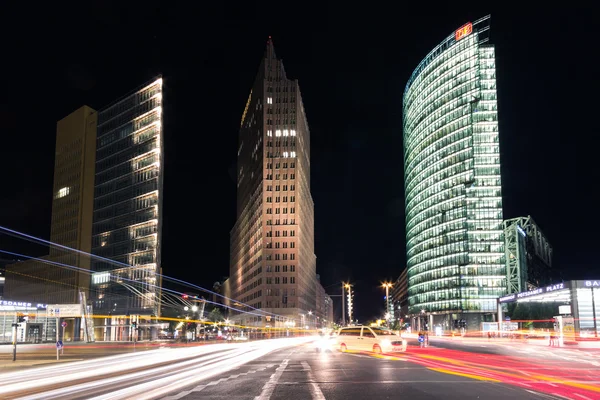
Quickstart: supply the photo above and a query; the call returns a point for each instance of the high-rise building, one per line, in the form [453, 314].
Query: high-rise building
[71, 224]
[528, 256]
[127, 205]
[400, 297]
[454, 231]
[272, 263]
[324, 309]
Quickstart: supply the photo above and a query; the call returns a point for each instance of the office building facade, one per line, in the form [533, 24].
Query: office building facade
[47, 280]
[399, 296]
[128, 207]
[454, 221]
[272, 260]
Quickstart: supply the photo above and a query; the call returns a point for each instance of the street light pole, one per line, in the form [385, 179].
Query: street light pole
[343, 304]
[387, 287]
[349, 287]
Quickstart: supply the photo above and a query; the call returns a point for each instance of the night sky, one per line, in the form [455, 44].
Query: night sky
[352, 65]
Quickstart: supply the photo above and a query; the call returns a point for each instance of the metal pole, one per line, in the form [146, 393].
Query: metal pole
[387, 300]
[57, 338]
[62, 349]
[14, 326]
[343, 305]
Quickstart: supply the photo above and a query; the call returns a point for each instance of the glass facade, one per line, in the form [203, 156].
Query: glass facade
[127, 204]
[455, 243]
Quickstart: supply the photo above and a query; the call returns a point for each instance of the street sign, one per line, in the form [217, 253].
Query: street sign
[52, 312]
[64, 324]
[59, 345]
[64, 310]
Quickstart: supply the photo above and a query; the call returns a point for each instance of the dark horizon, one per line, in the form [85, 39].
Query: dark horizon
[352, 78]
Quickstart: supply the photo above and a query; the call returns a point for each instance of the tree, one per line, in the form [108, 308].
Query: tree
[215, 315]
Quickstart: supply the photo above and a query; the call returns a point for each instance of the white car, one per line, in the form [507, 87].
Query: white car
[364, 338]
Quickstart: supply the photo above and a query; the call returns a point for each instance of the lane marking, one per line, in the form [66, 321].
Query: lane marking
[315, 390]
[582, 396]
[269, 387]
[479, 378]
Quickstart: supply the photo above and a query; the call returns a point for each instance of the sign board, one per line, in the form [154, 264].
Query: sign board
[59, 344]
[64, 324]
[541, 290]
[463, 31]
[564, 309]
[64, 310]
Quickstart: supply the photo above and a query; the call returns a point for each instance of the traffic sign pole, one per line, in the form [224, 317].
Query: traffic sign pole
[62, 350]
[57, 313]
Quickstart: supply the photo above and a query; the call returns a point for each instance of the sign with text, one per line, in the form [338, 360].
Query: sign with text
[64, 310]
[463, 31]
[541, 290]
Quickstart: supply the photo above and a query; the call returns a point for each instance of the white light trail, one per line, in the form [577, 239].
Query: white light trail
[144, 375]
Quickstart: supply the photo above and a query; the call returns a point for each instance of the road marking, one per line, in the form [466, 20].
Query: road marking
[545, 395]
[269, 387]
[450, 372]
[315, 390]
[199, 388]
[582, 396]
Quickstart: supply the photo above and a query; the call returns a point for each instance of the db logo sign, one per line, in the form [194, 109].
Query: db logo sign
[463, 31]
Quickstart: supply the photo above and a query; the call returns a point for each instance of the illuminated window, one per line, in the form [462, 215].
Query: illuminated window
[102, 277]
[63, 192]
[293, 132]
[269, 100]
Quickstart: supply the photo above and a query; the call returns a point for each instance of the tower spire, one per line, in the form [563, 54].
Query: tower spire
[270, 50]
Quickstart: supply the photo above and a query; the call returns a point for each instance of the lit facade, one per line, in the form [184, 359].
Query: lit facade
[399, 296]
[128, 205]
[272, 260]
[454, 221]
[43, 280]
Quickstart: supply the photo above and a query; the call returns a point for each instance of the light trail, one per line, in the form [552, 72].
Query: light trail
[145, 375]
[545, 376]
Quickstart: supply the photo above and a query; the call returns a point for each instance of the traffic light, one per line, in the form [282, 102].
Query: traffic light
[21, 318]
[134, 325]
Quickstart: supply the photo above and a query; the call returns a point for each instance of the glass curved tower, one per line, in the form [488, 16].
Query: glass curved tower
[455, 244]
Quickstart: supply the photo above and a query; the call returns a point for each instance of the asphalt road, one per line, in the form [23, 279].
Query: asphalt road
[291, 369]
[301, 373]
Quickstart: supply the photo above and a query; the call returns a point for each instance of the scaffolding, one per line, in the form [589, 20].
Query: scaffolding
[523, 241]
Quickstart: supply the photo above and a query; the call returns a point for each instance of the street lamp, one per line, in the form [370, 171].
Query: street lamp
[387, 287]
[349, 297]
